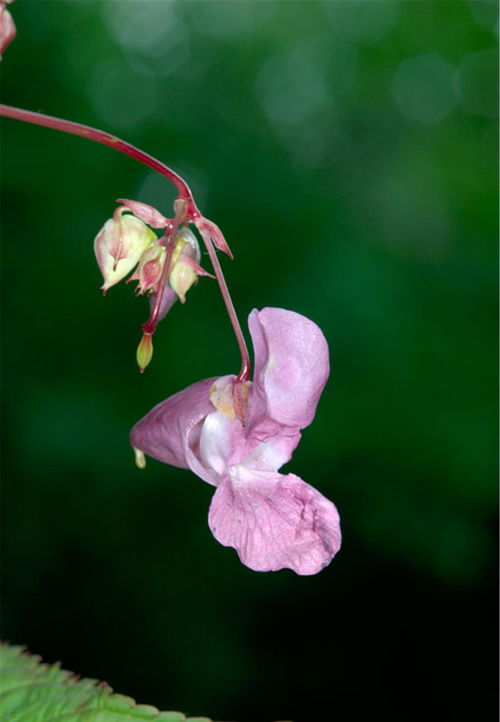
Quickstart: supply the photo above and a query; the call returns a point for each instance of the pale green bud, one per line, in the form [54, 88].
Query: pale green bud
[119, 245]
[144, 351]
[185, 266]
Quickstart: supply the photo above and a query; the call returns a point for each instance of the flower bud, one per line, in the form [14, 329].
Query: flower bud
[185, 268]
[7, 27]
[119, 245]
[150, 268]
[144, 351]
[140, 461]
[182, 278]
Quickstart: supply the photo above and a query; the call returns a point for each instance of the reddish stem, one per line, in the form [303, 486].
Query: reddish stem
[244, 374]
[192, 214]
[180, 216]
[85, 131]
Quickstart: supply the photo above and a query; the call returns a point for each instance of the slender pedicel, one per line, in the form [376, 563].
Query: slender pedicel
[180, 208]
[245, 371]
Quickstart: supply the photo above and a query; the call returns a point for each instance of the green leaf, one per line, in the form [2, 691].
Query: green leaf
[34, 692]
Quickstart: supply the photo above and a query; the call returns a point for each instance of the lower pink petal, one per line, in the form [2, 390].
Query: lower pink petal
[275, 521]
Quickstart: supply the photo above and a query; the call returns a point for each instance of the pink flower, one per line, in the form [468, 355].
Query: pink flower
[236, 436]
[7, 27]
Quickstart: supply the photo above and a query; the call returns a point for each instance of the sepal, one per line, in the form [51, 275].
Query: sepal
[146, 213]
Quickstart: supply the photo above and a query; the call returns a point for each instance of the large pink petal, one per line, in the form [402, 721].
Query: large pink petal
[171, 431]
[275, 521]
[291, 367]
[223, 443]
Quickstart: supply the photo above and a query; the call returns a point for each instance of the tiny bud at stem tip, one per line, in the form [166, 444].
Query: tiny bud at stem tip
[140, 460]
[144, 351]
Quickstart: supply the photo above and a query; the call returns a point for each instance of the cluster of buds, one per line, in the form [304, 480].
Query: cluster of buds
[165, 266]
[7, 27]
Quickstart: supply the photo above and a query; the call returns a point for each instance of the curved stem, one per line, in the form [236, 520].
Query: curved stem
[244, 374]
[85, 131]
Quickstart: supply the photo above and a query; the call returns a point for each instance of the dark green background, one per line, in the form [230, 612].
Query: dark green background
[348, 150]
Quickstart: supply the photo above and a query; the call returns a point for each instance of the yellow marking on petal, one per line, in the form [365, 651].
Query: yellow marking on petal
[227, 409]
[222, 398]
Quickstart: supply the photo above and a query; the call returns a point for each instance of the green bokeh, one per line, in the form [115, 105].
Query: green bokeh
[348, 150]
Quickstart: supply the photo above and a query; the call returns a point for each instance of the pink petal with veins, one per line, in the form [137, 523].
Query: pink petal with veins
[291, 366]
[275, 521]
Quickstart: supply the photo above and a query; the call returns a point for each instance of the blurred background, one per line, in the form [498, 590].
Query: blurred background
[348, 151]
